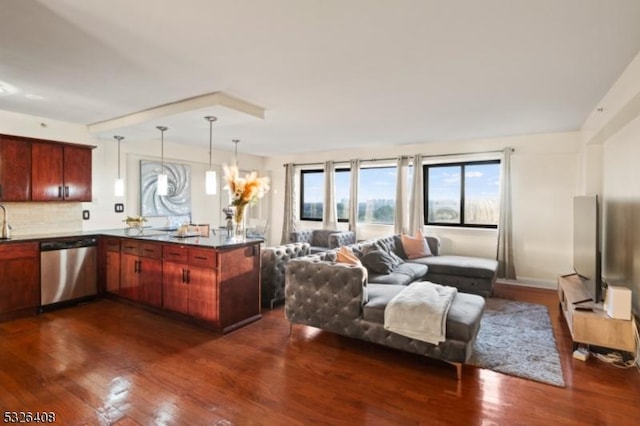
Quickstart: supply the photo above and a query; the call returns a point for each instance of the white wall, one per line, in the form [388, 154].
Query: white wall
[544, 177]
[56, 217]
[615, 130]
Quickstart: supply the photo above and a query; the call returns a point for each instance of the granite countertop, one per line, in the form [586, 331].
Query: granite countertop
[218, 241]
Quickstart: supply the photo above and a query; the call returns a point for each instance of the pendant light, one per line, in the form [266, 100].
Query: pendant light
[211, 181]
[163, 184]
[119, 185]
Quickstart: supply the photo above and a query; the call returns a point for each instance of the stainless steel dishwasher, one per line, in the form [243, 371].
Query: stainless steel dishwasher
[67, 270]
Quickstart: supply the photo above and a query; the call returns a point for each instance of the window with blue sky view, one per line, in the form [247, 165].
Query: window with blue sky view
[461, 194]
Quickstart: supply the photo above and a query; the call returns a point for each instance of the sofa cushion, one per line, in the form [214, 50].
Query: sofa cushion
[415, 247]
[379, 262]
[394, 278]
[459, 265]
[463, 319]
[379, 296]
[403, 274]
[392, 244]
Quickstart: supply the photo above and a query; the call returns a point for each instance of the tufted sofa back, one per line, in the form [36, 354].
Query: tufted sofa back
[272, 273]
[325, 294]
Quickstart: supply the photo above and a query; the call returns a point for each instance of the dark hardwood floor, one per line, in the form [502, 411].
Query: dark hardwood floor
[106, 362]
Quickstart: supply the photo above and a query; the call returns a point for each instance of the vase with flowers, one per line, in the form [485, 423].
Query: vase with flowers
[242, 192]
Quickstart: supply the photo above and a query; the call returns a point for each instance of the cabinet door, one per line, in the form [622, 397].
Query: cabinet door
[203, 293]
[150, 281]
[77, 173]
[129, 284]
[239, 285]
[15, 169]
[46, 172]
[19, 277]
[113, 272]
[175, 290]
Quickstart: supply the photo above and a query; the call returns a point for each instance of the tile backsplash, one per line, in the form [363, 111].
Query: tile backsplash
[44, 218]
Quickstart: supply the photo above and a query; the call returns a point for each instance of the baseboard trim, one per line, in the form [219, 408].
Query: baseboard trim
[546, 285]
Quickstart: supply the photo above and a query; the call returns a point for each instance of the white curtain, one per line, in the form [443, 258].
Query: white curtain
[289, 220]
[401, 214]
[506, 267]
[353, 196]
[416, 205]
[330, 213]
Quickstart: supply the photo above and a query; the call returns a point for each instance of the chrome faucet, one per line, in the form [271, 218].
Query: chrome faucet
[6, 233]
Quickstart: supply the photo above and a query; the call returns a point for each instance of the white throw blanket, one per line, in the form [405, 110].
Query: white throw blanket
[420, 311]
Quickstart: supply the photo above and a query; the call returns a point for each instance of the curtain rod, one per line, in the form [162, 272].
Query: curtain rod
[373, 160]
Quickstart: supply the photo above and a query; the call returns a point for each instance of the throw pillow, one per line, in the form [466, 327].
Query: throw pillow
[344, 255]
[363, 249]
[415, 247]
[379, 262]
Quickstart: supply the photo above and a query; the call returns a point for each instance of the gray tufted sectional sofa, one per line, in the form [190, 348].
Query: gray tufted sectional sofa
[350, 301]
[272, 269]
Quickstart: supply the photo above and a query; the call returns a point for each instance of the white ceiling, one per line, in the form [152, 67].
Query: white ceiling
[330, 74]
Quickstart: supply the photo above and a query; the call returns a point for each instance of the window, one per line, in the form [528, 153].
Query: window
[312, 194]
[377, 195]
[462, 194]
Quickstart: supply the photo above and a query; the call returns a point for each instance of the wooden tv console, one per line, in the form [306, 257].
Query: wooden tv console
[592, 327]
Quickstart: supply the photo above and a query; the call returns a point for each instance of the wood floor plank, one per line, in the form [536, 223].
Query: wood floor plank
[111, 363]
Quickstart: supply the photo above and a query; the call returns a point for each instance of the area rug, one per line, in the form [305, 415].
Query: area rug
[516, 338]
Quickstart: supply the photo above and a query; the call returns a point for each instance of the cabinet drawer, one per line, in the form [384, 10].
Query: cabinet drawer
[19, 251]
[153, 250]
[175, 253]
[112, 244]
[130, 247]
[206, 258]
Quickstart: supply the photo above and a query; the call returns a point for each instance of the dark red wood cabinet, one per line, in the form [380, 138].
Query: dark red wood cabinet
[189, 282]
[141, 271]
[19, 277]
[60, 172]
[219, 288]
[38, 170]
[15, 169]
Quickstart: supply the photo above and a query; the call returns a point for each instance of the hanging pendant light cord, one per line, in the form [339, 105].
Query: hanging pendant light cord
[118, 138]
[211, 120]
[162, 130]
[235, 153]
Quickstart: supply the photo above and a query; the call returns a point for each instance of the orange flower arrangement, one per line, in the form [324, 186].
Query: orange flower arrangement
[243, 191]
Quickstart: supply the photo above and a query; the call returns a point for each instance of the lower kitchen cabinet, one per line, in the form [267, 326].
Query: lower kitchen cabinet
[218, 288]
[189, 281]
[141, 271]
[112, 265]
[19, 277]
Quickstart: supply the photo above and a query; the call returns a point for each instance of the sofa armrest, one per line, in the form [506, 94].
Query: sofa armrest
[323, 294]
[434, 244]
[274, 262]
[302, 236]
[339, 239]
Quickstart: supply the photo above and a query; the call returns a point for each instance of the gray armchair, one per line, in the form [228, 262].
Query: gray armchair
[323, 239]
[272, 270]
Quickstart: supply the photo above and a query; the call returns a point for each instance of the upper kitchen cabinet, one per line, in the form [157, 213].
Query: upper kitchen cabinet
[60, 172]
[15, 168]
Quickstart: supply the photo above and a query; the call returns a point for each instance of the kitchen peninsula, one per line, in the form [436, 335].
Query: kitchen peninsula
[213, 281]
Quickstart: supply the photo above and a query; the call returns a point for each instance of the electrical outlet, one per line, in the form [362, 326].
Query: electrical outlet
[119, 208]
[85, 214]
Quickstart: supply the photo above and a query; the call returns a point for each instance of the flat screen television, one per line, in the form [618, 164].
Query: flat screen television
[586, 245]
